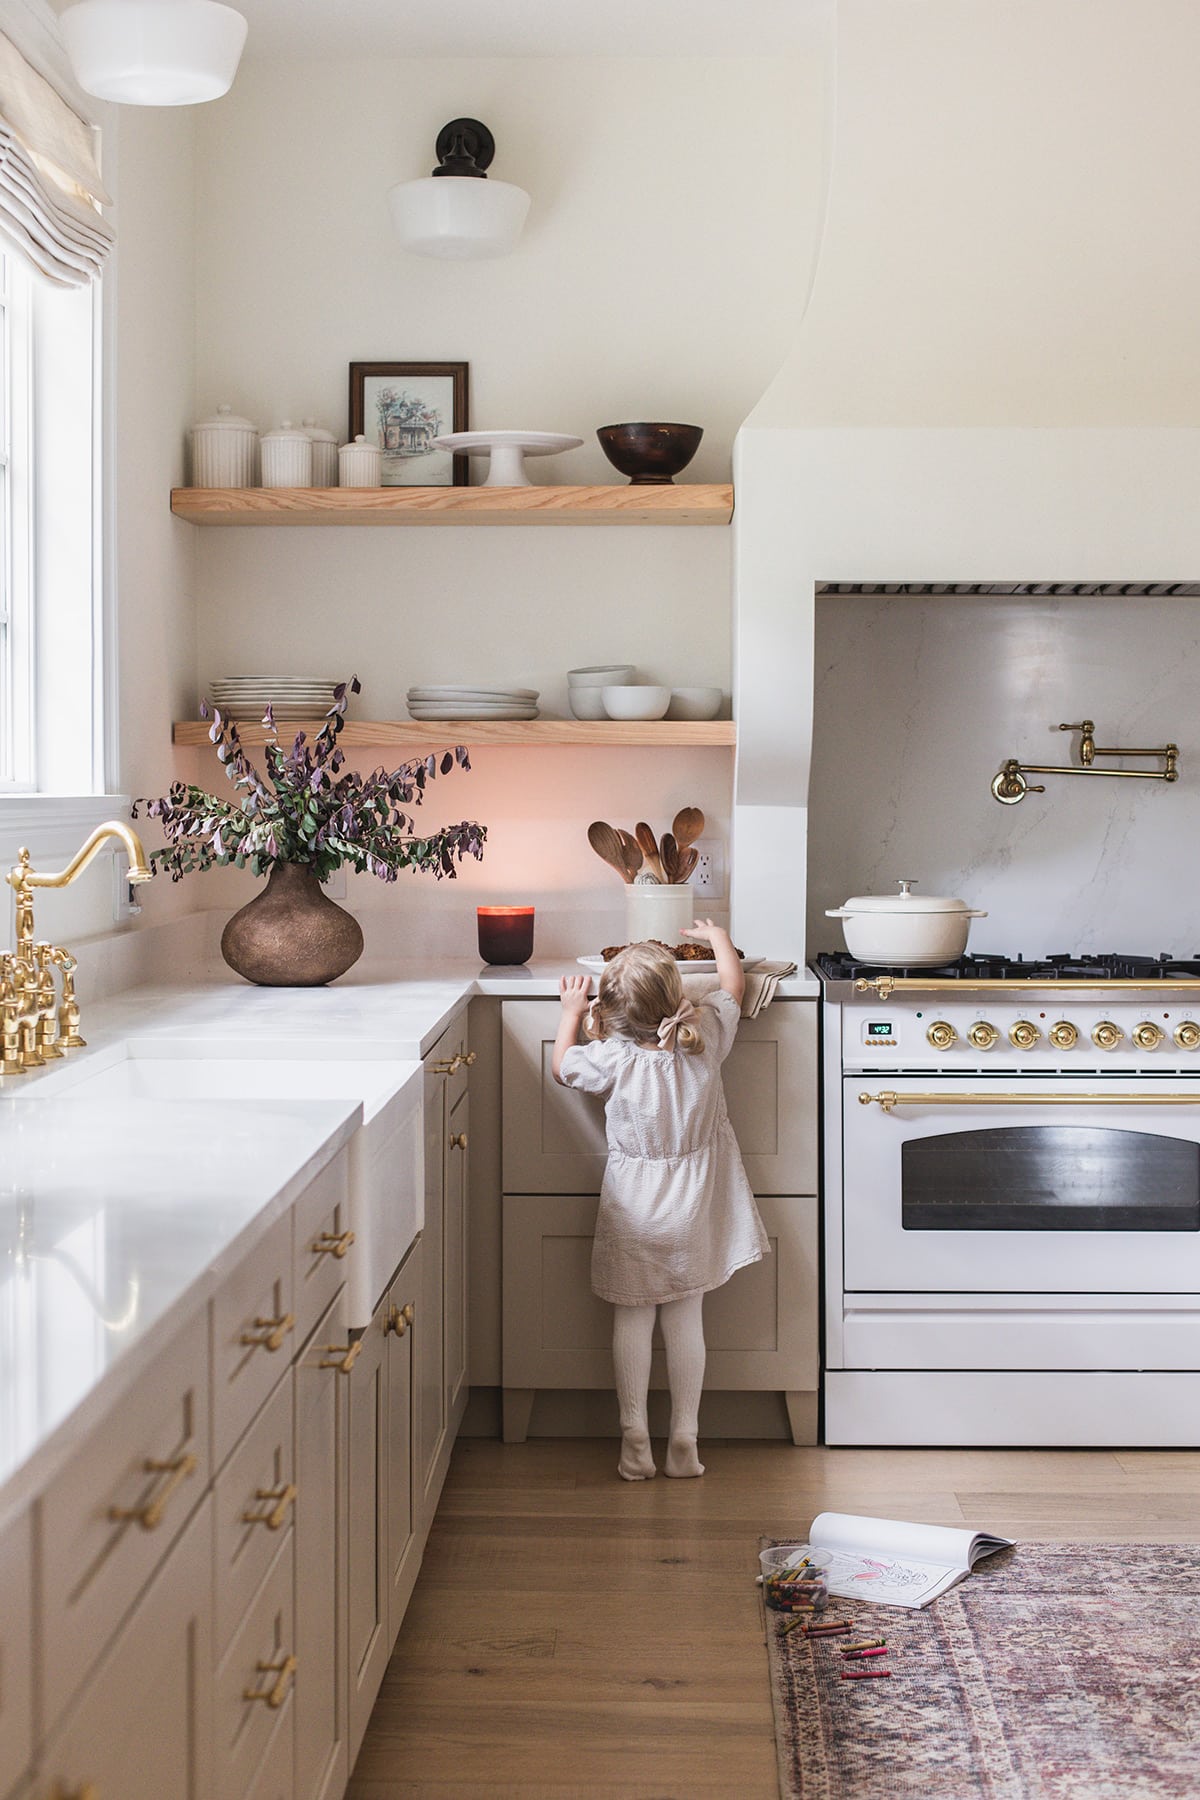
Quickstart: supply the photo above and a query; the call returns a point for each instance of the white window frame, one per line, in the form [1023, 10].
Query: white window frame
[17, 611]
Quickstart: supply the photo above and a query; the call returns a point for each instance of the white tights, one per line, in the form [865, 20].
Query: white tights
[683, 1334]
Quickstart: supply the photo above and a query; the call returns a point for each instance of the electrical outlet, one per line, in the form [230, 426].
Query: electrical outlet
[708, 877]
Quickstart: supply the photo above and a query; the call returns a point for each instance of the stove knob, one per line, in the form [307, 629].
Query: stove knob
[1187, 1034]
[941, 1035]
[1064, 1035]
[1106, 1035]
[1148, 1035]
[983, 1035]
[1024, 1034]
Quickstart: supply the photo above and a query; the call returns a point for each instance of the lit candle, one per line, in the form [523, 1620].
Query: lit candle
[505, 933]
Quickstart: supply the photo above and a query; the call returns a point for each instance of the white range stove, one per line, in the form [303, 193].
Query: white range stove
[1012, 1202]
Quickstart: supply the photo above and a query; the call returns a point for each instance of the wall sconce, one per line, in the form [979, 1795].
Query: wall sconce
[154, 52]
[456, 212]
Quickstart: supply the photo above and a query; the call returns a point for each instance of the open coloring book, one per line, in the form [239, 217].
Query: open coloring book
[889, 1563]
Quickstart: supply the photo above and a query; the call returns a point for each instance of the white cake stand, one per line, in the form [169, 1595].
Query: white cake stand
[507, 450]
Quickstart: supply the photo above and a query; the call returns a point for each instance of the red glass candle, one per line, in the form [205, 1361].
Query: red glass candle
[505, 933]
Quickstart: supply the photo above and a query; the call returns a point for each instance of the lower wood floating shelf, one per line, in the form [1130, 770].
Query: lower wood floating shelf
[693, 503]
[611, 734]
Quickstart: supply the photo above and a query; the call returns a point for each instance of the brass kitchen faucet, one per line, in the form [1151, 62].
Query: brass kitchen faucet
[37, 1025]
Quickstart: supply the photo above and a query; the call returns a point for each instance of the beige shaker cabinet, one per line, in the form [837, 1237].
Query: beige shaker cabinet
[762, 1326]
[367, 1584]
[442, 1342]
[16, 1634]
[402, 1326]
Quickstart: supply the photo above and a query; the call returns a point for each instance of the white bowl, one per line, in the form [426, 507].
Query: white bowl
[695, 703]
[636, 701]
[599, 676]
[587, 702]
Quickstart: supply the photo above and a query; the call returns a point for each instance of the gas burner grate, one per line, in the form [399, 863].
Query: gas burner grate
[1060, 590]
[839, 965]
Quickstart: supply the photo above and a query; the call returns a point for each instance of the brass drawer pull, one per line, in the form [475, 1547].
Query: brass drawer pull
[89, 1791]
[458, 1141]
[449, 1068]
[274, 1519]
[270, 1333]
[399, 1319]
[329, 1244]
[274, 1696]
[150, 1516]
[344, 1356]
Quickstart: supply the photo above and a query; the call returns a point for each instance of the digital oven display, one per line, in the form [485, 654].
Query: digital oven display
[879, 1028]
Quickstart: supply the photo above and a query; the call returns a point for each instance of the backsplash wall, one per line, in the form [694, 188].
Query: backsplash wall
[918, 702]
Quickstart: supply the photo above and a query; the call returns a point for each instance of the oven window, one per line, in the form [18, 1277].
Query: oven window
[1050, 1178]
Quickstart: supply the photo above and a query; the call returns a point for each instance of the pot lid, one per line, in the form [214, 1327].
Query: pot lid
[905, 901]
[225, 419]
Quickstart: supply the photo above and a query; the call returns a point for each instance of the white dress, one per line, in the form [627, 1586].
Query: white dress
[677, 1216]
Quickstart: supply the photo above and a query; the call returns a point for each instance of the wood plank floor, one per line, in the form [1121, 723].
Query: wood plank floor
[576, 1637]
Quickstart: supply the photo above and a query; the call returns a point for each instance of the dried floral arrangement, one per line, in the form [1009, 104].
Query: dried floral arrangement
[310, 809]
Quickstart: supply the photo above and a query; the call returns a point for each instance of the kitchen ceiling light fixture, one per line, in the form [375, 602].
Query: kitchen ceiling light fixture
[457, 213]
[154, 52]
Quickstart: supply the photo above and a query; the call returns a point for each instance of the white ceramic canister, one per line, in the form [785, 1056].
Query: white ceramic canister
[287, 458]
[658, 910]
[360, 464]
[224, 450]
[324, 454]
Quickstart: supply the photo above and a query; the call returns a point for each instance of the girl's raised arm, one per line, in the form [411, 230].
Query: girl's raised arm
[729, 965]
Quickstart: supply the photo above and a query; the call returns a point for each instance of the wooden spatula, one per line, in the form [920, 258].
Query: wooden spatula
[608, 848]
[669, 850]
[648, 844]
[631, 853]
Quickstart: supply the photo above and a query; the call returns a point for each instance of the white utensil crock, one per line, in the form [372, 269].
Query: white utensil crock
[658, 910]
[905, 929]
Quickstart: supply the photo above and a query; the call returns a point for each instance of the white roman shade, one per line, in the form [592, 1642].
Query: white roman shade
[50, 187]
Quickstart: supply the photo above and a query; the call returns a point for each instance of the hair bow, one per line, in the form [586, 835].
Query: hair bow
[683, 1015]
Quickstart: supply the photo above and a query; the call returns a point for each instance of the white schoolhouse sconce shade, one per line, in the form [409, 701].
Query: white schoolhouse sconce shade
[457, 212]
[154, 52]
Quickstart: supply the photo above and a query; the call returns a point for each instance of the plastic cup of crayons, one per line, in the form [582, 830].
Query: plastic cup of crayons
[794, 1578]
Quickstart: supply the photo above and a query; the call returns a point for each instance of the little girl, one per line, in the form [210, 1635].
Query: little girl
[676, 1213]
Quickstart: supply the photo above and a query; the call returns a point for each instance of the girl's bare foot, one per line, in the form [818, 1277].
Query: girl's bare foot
[636, 1462]
[682, 1458]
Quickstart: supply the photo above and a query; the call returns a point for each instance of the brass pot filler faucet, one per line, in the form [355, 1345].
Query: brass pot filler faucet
[1010, 784]
[38, 1023]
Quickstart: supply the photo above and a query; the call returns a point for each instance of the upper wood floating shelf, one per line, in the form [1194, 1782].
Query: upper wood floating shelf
[695, 504]
[410, 734]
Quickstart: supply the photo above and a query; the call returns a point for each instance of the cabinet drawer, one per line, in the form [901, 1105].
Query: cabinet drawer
[760, 1327]
[256, 1682]
[16, 1650]
[254, 1335]
[113, 1513]
[275, 1777]
[254, 1492]
[323, 1244]
[554, 1137]
[142, 1728]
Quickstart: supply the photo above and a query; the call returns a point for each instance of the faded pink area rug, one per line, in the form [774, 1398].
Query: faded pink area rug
[1054, 1672]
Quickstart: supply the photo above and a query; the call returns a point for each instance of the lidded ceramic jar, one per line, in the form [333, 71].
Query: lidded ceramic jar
[224, 449]
[287, 458]
[324, 455]
[360, 464]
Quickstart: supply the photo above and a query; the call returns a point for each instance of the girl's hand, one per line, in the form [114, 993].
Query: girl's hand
[573, 993]
[705, 930]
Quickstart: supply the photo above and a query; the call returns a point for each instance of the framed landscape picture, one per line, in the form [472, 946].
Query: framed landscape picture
[402, 407]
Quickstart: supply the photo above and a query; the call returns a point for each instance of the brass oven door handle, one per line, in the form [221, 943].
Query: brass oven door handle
[150, 1516]
[887, 985]
[344, 1356]
[333, 1244]
[274, 1696]
[270, 1333]
[889, 1100]
[274, 1519]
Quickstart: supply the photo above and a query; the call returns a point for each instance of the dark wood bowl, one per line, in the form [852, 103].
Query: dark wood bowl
[651, 455]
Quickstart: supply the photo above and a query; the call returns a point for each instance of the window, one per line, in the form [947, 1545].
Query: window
[17, 763]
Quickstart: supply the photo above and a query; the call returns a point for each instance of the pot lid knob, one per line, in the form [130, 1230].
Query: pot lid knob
[906, 882]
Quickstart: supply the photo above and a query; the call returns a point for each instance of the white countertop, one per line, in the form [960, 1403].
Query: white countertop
[118, 1219]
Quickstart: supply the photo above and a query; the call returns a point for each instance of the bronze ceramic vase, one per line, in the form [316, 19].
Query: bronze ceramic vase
[292, 934]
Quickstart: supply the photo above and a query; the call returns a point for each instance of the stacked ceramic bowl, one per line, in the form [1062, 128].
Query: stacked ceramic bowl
[472, 703]
[290, 696]
[585, 687]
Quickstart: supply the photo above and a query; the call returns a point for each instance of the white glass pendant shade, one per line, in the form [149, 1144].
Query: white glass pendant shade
[458, 216]
[154, 52]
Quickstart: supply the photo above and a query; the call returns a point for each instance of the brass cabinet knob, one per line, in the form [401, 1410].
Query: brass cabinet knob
[1187, 1034]
[1106, 1035]
[470, 1057]
[1148, 1035]
[941, 1034]
[458, 1140]
[396, 1322]
[1023, 1035]
[983, 1034]
[409, 1311]
[1064, 1035]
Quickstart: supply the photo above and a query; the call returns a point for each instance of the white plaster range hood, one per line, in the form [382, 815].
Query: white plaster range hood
[993, 388]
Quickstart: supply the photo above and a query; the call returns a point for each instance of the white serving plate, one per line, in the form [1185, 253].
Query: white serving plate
[701, 965]
[433, 714]
[507, 695]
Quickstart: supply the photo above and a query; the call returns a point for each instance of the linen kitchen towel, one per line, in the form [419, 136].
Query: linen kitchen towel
[762, 985]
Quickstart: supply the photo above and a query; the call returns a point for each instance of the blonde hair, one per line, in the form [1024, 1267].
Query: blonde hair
[638, 989]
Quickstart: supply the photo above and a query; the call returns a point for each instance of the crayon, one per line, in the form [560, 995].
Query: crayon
[858, 1655]
[865, 1644]
[862, 1674]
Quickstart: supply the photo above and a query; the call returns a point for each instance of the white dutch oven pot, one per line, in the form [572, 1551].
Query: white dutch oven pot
[907, 929]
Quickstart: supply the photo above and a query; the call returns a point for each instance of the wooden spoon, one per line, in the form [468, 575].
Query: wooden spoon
[608, 848]
[687, 862]
[648, 844]
[669, 851]
[687, 825]
[631, 853]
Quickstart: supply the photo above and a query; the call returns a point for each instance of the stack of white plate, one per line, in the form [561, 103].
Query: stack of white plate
[291, 696]
[472, 703]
